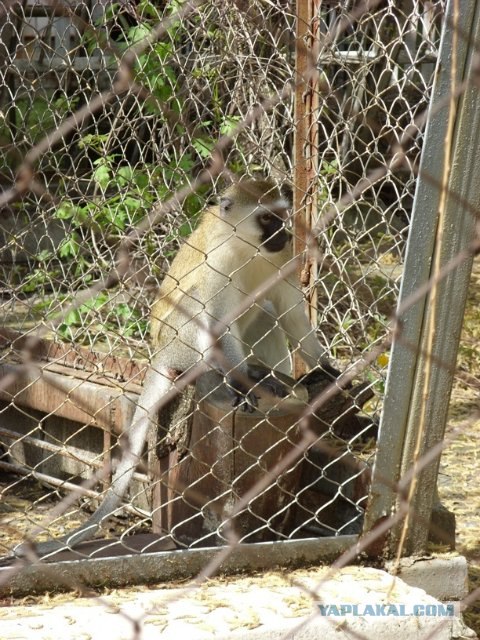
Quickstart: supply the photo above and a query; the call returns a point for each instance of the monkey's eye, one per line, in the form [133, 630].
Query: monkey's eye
[266, 218]
[225, 205]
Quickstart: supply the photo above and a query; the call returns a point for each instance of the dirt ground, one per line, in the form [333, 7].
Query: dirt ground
[459, 484]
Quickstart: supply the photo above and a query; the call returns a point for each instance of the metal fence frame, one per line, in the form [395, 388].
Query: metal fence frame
[443, 225]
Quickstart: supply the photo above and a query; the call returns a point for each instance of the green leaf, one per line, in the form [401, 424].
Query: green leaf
[138, 33]
[65, 332]
[141, 180]
[164, 50]
[102, 176]
[124, 175]
[65, 210]
[73, 318]
[185, 230]
[69, 247]
[148, 10]
[228, 125]
[44, 255]
[93, 140]
[203, 147]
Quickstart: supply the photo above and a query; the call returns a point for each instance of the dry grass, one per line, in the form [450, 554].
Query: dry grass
[459, 484]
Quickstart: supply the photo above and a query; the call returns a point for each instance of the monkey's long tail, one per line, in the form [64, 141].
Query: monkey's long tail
[155, 386]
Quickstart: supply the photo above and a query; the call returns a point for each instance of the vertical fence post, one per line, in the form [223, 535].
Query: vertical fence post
[420, 375]
[306, 151]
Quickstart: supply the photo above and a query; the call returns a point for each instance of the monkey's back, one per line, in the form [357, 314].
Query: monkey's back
[181, 283]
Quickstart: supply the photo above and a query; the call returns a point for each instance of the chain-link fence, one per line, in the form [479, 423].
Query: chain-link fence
[319, 103]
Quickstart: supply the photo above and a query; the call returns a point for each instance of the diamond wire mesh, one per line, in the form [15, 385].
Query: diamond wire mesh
[196, 83]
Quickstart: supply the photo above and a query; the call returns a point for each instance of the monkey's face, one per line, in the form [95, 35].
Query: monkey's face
[272, 224]
[262, 225]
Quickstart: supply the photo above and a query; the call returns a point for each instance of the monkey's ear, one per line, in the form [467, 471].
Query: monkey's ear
[225, 205]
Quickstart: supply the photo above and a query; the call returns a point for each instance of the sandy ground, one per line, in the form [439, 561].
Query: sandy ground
[459, 480]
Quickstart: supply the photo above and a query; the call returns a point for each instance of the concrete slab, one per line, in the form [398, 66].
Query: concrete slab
[444, 577]
[255, 608]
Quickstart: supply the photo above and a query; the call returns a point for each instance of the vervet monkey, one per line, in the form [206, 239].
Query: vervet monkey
[238, 245]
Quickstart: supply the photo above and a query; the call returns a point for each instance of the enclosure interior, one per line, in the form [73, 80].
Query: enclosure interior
[62, 414]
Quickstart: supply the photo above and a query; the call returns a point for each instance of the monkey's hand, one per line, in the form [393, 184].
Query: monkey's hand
[242, 396]
[245, 397]
[268, 381]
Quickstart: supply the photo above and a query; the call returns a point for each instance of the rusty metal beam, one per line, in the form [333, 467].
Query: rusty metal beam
[72, 356]
[69, 381]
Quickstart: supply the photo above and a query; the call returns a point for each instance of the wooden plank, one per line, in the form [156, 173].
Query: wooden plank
[78, 400]
[64, 451]
[228, 451]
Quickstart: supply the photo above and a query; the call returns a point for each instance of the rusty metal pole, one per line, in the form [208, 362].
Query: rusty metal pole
[306, 153]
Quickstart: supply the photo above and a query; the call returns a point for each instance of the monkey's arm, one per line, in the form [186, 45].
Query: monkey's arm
[232, 342]
[289, 304]
[231, 361]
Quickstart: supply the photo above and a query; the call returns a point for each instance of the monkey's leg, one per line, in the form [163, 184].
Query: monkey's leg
[289, 304]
